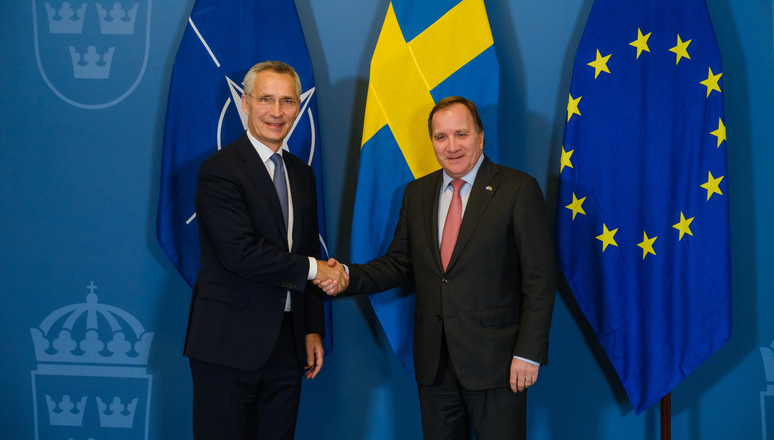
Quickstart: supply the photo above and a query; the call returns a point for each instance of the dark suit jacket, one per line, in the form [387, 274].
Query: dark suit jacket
[496, 298]
[239, 296]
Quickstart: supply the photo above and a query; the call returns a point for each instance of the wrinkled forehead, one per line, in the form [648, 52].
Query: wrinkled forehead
[454, 118]
[270, 83]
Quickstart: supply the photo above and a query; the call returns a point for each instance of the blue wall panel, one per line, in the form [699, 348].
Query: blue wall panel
[78, 205]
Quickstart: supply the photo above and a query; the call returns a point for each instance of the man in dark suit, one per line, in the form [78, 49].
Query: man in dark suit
[255, 323]
[485, 282]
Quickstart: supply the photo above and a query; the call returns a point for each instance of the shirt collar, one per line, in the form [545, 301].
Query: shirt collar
[264, 151]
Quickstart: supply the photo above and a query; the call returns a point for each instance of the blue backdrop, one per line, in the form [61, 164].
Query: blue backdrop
[79, 258]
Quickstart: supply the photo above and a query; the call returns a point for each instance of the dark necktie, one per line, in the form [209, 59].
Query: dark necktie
[280, 185]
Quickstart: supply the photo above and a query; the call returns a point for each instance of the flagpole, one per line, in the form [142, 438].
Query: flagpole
[666, 417]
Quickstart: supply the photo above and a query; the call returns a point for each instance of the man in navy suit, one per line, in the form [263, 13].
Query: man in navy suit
[485, 279]
[256, 321]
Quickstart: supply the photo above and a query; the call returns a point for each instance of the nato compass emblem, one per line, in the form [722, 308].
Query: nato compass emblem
[233, 126]
[230, 126]
[91, 380]
[92, 55]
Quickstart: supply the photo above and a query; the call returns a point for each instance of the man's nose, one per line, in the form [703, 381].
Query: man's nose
[276, 108]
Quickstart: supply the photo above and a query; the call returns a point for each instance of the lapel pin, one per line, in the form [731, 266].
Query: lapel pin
[488, 188]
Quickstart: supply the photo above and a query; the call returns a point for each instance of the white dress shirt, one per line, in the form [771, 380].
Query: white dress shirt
[266, 153]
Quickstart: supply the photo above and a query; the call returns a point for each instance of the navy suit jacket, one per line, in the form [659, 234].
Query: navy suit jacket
[239, 296]
[495, 299]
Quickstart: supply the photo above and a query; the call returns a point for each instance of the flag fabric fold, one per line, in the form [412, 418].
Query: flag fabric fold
[222, 41]
[427, 50]
[642, 217]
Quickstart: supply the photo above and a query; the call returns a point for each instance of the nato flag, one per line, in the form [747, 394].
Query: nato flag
[222, 41]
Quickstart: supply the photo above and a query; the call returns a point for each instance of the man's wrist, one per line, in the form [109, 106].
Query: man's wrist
[531, 362]
[312, 269]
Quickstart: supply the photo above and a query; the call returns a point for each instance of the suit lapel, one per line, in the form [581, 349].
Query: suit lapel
[259, 175]
[298, 194]
[484, 188]
[430, 195]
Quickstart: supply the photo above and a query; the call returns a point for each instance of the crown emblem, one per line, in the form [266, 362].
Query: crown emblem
[57, 340]
[116, 415]
[88, 351]
[117, 21]
[91, 65]
[66, 20]
[63, 414]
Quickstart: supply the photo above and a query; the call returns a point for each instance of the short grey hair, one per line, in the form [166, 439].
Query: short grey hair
[276, 67]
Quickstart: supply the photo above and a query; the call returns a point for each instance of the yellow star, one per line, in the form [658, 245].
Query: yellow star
[684, 226]
[607, 237]
[712, 82]
[647, 245]
[575, 206]
[641, 43]
[566, 159]
[572, 107]
[720, 133]
[712, 186]
[681, 49]
[599, 64]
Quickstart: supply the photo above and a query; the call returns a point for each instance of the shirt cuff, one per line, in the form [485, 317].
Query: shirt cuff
[537, 364]
[312, 269]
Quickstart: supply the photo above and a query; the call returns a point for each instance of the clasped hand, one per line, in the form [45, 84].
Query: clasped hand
[331, 277]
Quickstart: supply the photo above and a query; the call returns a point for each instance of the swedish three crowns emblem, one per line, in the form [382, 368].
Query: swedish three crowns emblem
[92, 55]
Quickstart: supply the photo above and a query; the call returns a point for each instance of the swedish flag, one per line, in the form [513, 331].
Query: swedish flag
[642, 218]
[427, 50]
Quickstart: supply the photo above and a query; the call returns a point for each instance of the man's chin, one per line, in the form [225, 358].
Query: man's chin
[455, 169]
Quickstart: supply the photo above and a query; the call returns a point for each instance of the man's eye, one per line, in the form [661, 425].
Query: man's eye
[263, 99]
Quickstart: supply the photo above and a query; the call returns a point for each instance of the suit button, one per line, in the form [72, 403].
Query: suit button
[444, 280]
[283, 300]
[438, 317]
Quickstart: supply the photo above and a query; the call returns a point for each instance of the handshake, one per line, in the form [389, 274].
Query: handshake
[332, 278]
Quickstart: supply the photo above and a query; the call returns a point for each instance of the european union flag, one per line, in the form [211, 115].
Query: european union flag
[427, 50]
[642, 223]
[222, 41]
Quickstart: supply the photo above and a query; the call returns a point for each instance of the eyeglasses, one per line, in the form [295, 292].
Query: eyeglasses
[269, 101]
